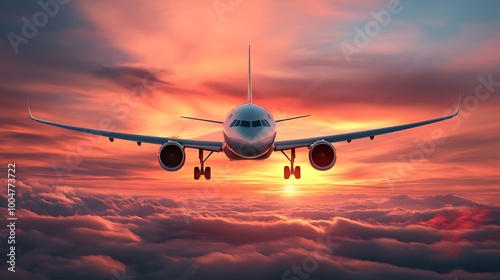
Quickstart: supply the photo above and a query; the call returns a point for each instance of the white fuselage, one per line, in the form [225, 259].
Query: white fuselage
[249, 132]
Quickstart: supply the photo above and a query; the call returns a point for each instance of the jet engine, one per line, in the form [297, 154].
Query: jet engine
[171, 156]
[322, 155]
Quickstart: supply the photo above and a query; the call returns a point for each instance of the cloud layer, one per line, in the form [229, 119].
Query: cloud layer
[84, 65]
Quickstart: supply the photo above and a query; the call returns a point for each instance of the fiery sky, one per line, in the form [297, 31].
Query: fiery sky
[353, 65]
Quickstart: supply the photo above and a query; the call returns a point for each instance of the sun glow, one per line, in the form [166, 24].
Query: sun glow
[289, 190]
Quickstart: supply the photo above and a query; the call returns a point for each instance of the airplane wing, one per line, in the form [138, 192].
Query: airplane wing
[291, 144]
[195, 144]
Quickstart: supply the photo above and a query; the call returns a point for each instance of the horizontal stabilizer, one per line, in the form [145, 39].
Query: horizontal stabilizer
[203, 120]
[289, 119]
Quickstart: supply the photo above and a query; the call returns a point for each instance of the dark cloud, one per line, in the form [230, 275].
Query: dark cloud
[58, 51]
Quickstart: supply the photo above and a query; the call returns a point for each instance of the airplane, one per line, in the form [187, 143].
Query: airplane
[249, 133]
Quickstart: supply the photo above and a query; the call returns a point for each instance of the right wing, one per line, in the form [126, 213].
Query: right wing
[195, 144]
[299, 143]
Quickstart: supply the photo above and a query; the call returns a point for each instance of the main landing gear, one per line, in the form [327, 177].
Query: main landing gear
[205, 171]
[290, 169]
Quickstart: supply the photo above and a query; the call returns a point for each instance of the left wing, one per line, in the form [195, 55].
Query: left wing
[291, 144]
[195, 144]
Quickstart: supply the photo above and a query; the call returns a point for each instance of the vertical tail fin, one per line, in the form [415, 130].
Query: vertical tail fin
[249, 77]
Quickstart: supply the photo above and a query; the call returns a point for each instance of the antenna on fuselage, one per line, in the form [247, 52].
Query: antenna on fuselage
[249, 77]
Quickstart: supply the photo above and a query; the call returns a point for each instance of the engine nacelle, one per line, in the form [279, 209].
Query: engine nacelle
[171, 156]
[322, 155]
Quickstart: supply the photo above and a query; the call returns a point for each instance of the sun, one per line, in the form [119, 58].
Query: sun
[289, 190]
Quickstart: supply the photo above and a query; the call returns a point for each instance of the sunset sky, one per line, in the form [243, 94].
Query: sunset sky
[85, 202]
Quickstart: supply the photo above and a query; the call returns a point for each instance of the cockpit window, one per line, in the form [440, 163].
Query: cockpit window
[233, 123]
[245, 123]
[256, 123]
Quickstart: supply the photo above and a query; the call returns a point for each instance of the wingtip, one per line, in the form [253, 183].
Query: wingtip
[29, 110]
[458, 105]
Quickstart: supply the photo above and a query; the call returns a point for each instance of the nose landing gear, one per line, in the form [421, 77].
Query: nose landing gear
[203, 171]
[290, 170]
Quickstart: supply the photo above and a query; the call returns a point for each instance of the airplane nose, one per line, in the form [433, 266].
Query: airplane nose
[249, 150]
[252, 135]
[252, 142]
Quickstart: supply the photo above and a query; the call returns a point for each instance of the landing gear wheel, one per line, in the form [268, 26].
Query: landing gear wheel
[297, 172]
[197, 173]
[202, 170]
[290, 169]
[208, 173]
[287, 172]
